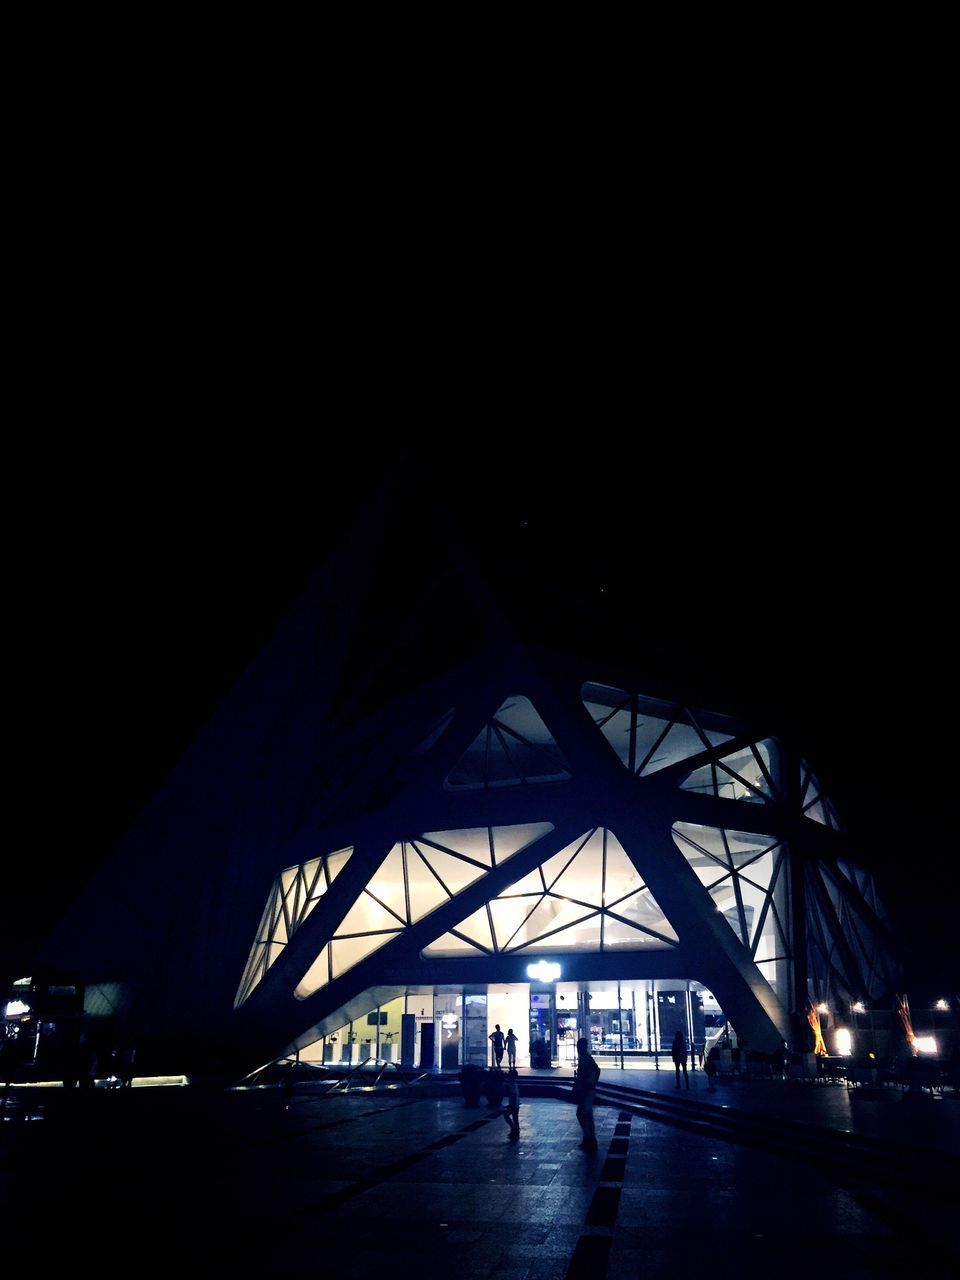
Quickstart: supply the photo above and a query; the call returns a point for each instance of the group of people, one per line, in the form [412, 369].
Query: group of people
[584, 1086]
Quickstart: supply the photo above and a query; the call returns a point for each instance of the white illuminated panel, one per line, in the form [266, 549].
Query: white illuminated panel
[544, 971]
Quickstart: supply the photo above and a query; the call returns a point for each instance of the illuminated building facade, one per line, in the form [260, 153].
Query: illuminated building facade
[397, 813]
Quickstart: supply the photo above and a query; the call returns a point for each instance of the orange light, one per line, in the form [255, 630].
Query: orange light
[813, 1017]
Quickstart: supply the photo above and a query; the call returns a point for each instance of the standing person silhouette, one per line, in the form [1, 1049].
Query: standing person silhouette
[678, 1051]
[584, 1087]
[511, 1049]
[497, 1040]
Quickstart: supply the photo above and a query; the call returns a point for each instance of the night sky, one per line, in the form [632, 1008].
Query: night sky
[797, 573]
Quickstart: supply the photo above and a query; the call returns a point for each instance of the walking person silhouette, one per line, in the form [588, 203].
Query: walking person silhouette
[512, 1112]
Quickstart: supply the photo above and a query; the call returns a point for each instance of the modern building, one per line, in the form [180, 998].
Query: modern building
[414, 820]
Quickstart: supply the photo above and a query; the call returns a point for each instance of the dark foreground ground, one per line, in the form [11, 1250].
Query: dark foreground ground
[389, 1183]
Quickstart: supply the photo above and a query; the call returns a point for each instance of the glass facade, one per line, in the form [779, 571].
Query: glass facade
[808, 927]
[587, 896]
[629, 1024]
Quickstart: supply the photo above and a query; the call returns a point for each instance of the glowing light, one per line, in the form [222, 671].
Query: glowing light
[813, 1017]
[544, 971]
[844, 1042]
[941, 1004]
[15, 1008]
[822, 1008]
[858, 1006]
[925, 1044]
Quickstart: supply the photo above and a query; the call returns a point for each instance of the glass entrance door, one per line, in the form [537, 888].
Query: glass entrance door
[543, 1042]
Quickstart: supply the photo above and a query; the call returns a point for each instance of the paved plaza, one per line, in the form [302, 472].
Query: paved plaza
[375, 1184]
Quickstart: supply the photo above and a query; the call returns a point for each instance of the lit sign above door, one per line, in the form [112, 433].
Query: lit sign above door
[544, 971]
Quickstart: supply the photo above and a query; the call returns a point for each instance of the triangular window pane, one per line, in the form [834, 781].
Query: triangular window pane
[552, 913]
[621, 937]
[739, 775]
[294, 900]
[758, 872]
[387, 886]
[710, 863]
[454, 872]
[700, 780]
[583, 878]
[448, 944]
[553, 867]
[771, 942]
[622, 876]
[650, 729]
[346, 952]
[663, 732]
[521, 717]
[682, 741]
[426, 892]
[477, 928]
[609, 709]
[731, 786]
[689, 835]
[725, 901]
[515, 747]
[809, 789]
[469, 773]
[743, 847]
[584, 936]
[615, 727]
[310, 872]
[251, 976]
[643, 910]
[508, 916]
[317, 976]
[753, 900]
[286, 909]
[532, 883]
[366, 916]
[472, 842]
[814, 803]
[510, 840]
[817, 813]
[708, 873]
[335, 863]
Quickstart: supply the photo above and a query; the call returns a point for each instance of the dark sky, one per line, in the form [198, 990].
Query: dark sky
[797, 573]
